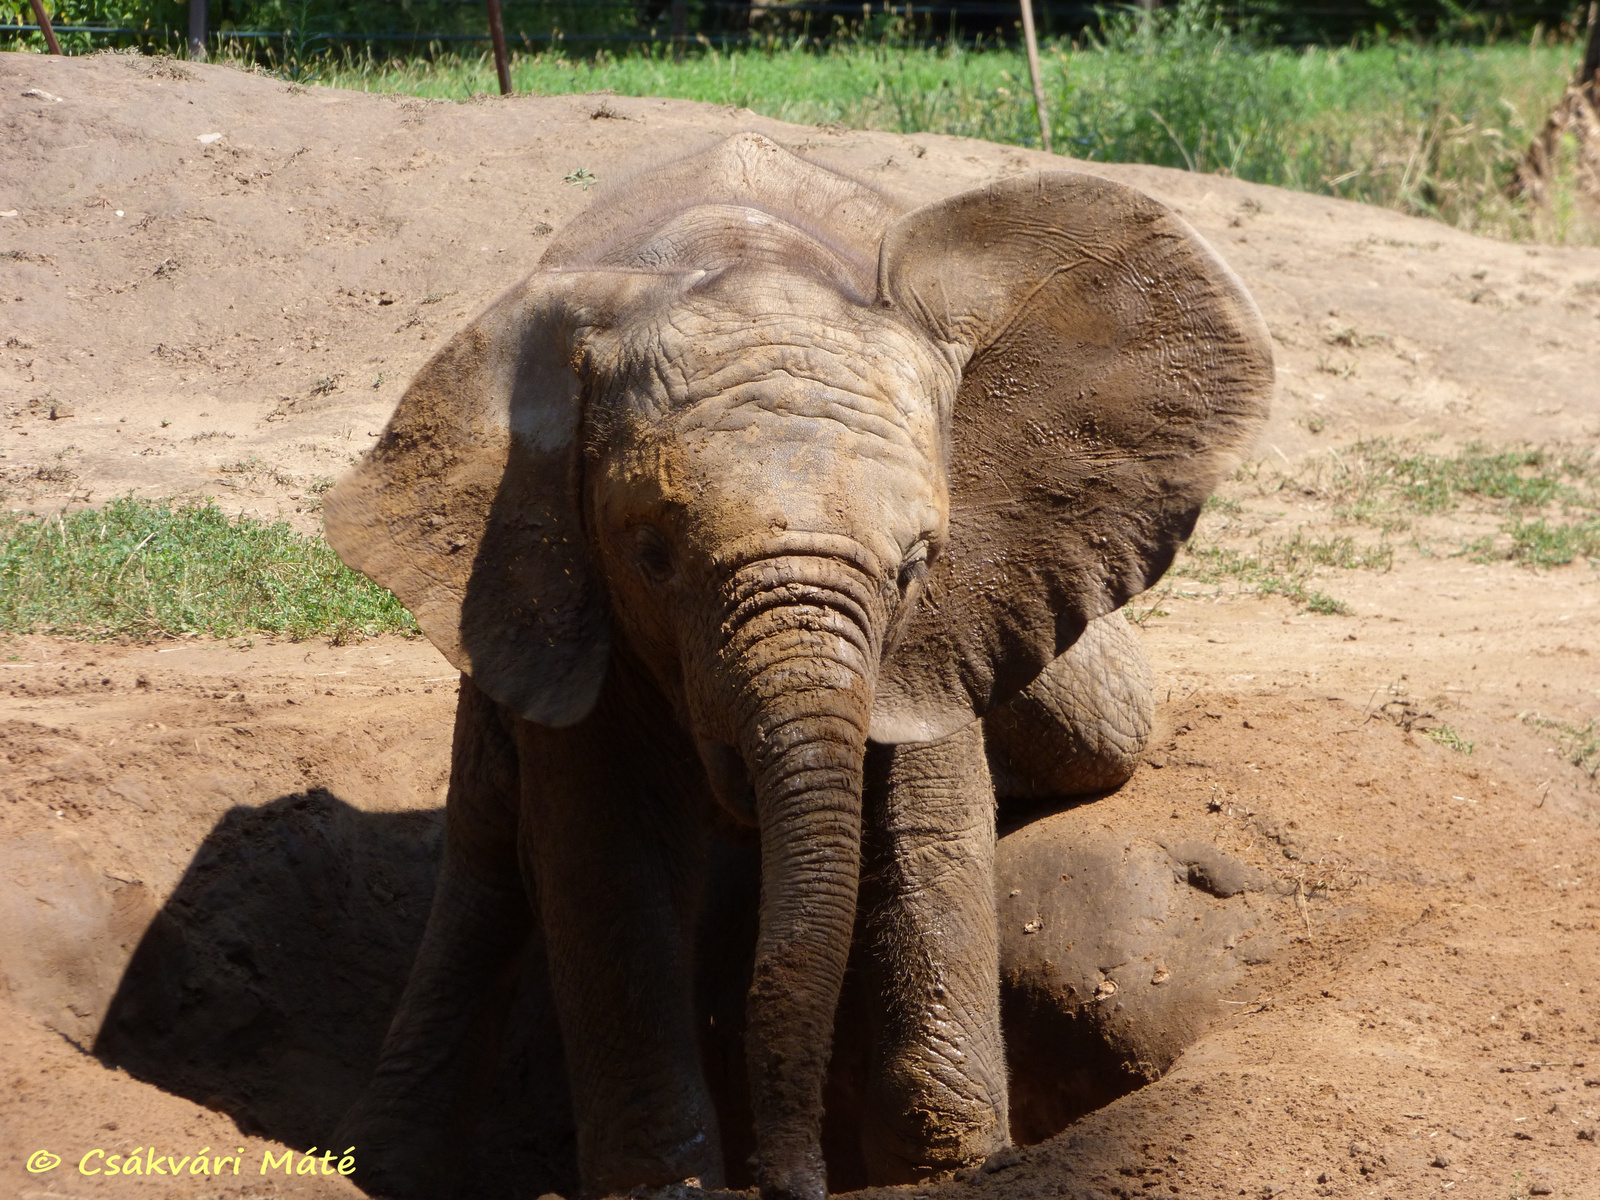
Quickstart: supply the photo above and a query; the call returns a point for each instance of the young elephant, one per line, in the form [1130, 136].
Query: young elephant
[754, 473]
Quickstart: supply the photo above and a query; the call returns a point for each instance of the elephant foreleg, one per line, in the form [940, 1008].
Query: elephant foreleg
[938, 1076]
[618, 863]
[1081, 726]
[479, 918]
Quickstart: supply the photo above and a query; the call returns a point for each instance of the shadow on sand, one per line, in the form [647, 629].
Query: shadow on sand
[264, 986]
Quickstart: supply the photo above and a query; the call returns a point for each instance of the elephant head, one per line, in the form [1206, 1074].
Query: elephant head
[829, 472]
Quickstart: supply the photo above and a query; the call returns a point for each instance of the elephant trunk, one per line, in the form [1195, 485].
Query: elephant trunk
[802, 647]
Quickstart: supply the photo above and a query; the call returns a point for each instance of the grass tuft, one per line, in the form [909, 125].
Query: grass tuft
[1382, 475]
[1449, 739]
[1538, 543]
[1549, 500]
[153, 569]
[1579, 745]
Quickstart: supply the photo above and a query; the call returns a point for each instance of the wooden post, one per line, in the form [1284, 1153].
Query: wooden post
[1589, 73]
[44, 27]
[680, 27]
[497, 35]
[1033, 69]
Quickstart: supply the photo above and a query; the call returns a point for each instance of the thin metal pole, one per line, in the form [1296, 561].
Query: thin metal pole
[497, 34]
[197, 29]
[1033, 69]
[44, 27]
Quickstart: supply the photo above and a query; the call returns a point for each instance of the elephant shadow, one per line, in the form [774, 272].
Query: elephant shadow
[264, 986]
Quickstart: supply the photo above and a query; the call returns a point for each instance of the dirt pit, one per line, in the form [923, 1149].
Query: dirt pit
[215, 859]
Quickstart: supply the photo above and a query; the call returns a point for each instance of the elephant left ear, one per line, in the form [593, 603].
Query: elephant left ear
[1113, 370]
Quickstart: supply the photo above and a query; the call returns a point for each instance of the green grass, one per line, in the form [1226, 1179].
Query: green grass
[1551, 500]
[152, 569]
[1548, 501]
[1428, 129]
[1283, 567]
[1378, 478]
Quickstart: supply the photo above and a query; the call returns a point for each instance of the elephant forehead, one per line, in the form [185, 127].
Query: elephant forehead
[830, 452]
[709, 364]
[770, 398]
[728, 237]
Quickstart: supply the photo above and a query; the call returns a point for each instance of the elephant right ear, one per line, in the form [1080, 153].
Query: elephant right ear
[1112, 370]
[467, 509]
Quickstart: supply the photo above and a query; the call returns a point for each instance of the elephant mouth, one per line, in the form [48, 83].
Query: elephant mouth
[730, 779]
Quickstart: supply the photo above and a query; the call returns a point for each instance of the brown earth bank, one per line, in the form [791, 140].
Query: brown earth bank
[217, 857]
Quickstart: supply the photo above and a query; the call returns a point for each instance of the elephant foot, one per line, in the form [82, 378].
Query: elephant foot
[921, 1129]
[686, 1189]
[399, 1156]
[792, 1172]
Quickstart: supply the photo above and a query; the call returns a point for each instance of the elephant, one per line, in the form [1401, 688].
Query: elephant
[767, 511]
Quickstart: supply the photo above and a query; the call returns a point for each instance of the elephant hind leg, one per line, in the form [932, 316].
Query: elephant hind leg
[1081, 726]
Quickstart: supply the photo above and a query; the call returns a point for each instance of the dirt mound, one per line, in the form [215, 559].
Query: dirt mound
[220, 282]
[214, 859]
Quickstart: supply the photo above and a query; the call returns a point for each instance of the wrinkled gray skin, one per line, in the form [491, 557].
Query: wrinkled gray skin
[740, 513]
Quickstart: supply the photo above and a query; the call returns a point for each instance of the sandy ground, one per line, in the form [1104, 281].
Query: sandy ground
[182, 314]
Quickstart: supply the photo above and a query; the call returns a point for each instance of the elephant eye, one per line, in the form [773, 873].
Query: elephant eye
[652, 553]
[915, 565]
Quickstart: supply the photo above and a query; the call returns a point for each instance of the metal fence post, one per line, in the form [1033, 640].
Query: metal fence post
[1033, 69]
[497, 34]
[44, 27]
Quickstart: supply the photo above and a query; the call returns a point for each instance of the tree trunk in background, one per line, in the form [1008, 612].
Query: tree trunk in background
[1560, 174]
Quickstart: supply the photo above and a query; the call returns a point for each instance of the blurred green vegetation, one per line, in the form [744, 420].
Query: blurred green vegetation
[1333, 21]
[1429, 127]
[407, 17]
